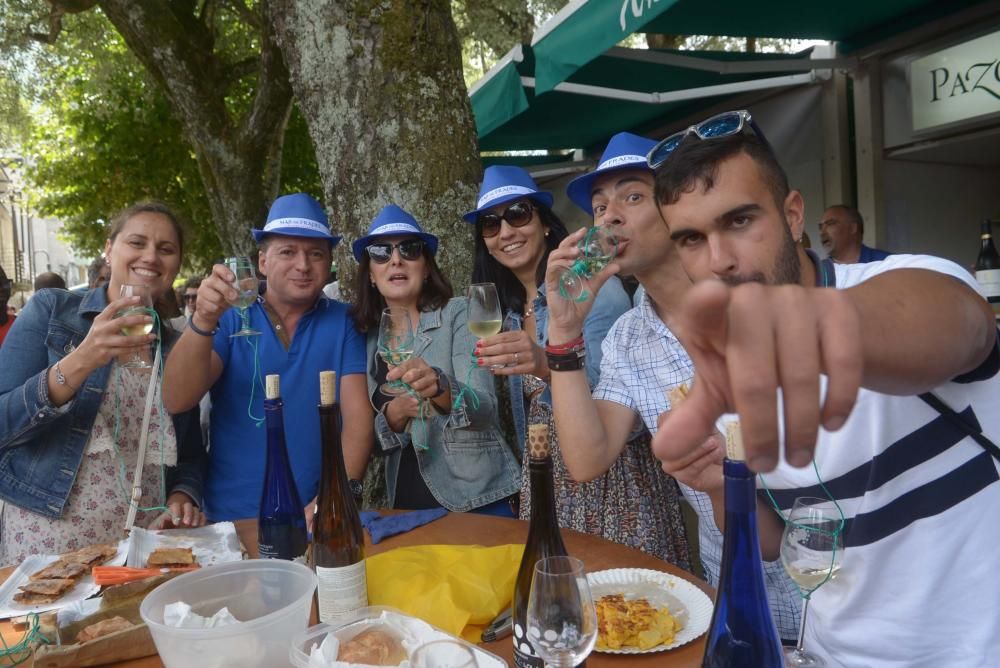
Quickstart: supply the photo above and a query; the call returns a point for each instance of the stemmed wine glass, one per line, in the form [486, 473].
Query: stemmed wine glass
[483, 313]
[246, 285]
[395, 345]
[812, 548]
[444, 654]
[562, 620]
[597, 250]
[144, 307]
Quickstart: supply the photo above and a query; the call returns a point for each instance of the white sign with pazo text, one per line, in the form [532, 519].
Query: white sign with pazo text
[956, 84]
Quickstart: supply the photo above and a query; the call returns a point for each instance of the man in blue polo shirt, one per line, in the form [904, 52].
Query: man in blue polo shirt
[301, 333]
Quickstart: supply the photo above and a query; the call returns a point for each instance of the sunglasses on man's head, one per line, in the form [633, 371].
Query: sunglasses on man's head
[726, 124]
[517, 214]
[381, 252]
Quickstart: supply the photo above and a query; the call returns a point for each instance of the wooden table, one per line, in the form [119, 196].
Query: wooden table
[471, 529]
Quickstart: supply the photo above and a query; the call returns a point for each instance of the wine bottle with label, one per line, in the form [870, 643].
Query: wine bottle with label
[281, 528]
[988, 267]
[338, 547]
[544, 539]
[742, 632]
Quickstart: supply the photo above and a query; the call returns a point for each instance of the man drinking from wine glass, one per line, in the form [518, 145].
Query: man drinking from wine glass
[301, 332]
[882, 375]
[642, 358]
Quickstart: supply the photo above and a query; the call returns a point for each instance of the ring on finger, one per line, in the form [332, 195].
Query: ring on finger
[515, 358]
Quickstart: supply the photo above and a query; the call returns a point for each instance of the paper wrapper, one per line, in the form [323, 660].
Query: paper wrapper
[212, 544]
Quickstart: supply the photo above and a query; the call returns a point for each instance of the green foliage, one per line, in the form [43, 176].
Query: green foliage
[103, 135]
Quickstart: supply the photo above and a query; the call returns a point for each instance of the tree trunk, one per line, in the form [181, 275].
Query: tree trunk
[380, 84]
[239, 158]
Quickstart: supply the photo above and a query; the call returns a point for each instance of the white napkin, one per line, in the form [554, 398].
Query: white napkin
[179, 615]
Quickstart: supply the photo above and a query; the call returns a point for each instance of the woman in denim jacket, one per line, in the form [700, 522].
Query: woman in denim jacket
[70, 415]
[439, 442]
[516, 230]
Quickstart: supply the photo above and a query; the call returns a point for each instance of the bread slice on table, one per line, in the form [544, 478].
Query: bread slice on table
[92, 555]
[43, 591]
[169, 557]
[60, 570]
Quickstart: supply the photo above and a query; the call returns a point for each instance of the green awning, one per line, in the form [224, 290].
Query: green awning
[586, 29]
[623, 90]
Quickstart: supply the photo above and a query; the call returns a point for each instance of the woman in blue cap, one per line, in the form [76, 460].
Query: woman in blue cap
[516, 230]
[439, 442]
[71, 416]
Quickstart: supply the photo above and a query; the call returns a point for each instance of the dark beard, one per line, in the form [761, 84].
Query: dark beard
[787, 266]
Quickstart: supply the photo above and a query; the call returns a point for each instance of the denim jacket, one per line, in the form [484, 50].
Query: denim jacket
[467, 464]
[41, 445]
[611, 302]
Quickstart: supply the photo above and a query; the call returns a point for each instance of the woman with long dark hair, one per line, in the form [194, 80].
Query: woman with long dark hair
[439, 440]
[71, 416]
[516, 230]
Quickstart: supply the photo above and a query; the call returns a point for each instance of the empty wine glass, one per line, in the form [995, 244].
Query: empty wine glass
[812, 548]
[562, 620]
[597, 249]
[139, 359]
[483, 314]
[395, 345]
[246, 285]
[444, 654]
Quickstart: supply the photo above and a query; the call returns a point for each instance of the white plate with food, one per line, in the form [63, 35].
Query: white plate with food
[675, 611]
[51, 581]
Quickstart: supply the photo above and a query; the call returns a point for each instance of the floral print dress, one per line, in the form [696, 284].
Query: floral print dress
[98, 502]
[635, 503]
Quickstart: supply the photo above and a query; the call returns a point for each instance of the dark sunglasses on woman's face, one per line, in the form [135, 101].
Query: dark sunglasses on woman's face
[411, 249]
[517, 214]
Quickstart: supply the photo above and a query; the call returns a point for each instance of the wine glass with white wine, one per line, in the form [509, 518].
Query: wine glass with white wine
[562, 619]
[140, 359]
[246, 285]
[395, 345]
[483, 313]
[812, 549]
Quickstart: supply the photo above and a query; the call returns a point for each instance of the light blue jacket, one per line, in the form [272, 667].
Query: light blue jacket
[467, 464]
[611, 302]
[41, 445]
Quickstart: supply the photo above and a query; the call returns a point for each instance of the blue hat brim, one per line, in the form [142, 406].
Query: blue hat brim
[359, 246]
[579, 189]
[542, 196]
[334, 239]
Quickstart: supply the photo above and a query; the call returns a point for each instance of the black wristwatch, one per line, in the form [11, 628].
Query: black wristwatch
[441, 386]
[357, 489]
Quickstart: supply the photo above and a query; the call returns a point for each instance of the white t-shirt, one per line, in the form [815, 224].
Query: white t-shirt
[919, 584]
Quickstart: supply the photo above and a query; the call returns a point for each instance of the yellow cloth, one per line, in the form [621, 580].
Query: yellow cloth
[457, 588]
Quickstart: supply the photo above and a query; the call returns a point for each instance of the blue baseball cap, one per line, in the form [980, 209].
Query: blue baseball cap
[624, 151]
[503, 183]
[393, 221]
[297, 215]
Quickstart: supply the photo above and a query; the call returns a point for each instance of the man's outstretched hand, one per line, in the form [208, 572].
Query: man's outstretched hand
[747, 341]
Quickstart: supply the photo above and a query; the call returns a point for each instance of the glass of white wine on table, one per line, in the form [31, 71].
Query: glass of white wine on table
[246, 285]
[395, 345]
[812, 549]
[483, 314]
[140, 359]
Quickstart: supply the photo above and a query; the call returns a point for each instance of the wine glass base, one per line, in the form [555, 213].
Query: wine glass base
[390, 390]
[245, 332]
[800, 658]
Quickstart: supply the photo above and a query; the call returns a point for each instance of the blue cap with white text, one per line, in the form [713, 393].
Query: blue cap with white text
[624, 151]
[297, 215]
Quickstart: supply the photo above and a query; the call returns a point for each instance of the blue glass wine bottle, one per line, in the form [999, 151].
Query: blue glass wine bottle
[281, 528]
[742, 632]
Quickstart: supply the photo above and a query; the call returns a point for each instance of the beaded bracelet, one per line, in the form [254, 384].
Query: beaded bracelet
[198, 330]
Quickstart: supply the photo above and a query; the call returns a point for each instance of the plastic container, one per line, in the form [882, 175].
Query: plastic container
[271, 598]
[367, 618]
